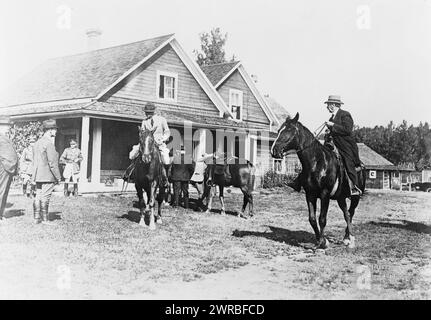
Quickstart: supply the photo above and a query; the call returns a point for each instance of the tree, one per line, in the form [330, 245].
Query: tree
[20, 134]
[212, 48]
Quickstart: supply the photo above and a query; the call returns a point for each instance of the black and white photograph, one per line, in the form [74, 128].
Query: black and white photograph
[215, 150]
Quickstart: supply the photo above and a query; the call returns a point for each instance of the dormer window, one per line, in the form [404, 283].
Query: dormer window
[235, 103]
[167, 85]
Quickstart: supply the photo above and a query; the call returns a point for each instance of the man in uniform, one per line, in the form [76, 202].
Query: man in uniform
[26, 168]
[71, 157]
[161, 134]
[46, 173]
[8, 164]
[340, 127]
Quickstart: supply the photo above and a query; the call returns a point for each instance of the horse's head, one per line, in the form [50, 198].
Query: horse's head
[146, 144]
[287, 138]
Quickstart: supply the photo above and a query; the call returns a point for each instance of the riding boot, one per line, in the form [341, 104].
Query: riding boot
[75, 189]
[36, 211]
[186, 202]
[66, 189]
[24, 189]
[165, 181]
[295, 184]
[45, 213]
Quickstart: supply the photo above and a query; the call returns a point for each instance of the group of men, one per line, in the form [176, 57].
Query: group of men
[44, 171]
[38, 167]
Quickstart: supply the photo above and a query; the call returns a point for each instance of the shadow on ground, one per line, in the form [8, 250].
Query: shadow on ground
[14, 213]
[406, 225]
[292, 237]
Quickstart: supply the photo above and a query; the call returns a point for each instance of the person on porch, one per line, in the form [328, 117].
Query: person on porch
[161, 133]
[26, 168]
[72, 158]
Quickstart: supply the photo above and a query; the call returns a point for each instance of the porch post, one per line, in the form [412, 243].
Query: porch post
[97, 151]
[85, 147]
[202, 142]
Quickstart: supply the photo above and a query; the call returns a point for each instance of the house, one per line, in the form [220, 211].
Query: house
[98, 98]
[381, 173]
[238, 90]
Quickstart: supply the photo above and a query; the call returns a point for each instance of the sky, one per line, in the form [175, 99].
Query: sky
[375, 54]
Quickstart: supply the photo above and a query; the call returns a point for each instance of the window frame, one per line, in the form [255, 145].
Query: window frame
[171, 75]
[241, 94]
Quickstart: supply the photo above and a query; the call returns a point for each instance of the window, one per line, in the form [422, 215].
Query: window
[167, 85]
[235, 103]
[278, 165]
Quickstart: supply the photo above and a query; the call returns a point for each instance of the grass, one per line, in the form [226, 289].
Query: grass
[108, 252]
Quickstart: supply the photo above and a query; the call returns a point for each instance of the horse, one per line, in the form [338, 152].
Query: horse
[323, 177]
[236, 174]
[148, 177]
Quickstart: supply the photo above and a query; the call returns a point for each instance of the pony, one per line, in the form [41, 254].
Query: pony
[231, 173]
[148, 178]
[323, 177]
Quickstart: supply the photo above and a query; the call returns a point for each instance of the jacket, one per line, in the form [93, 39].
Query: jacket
[182, 169]
[160, 126]
[45, 161]
[8, 155]
[341, 132]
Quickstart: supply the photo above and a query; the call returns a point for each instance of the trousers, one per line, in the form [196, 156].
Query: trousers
[5, 182]
[44, 191]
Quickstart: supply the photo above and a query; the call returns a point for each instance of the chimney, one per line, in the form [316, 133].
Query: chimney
[254, 78]
[93, 38]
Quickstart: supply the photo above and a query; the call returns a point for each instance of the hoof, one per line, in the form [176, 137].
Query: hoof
[346, 241]
[159, 221]
[223, 213]
[152, 226]
[142, 222]
[323, 244]
[208, 211]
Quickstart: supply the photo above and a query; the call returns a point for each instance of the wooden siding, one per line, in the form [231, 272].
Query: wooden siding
[142, 86]
[252, 111]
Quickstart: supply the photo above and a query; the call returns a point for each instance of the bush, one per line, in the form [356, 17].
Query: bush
[20, 134]
[272, 179]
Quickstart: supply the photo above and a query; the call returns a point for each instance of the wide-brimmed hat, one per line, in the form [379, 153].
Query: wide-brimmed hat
[334, 99]
[49, 124]
[150, 108]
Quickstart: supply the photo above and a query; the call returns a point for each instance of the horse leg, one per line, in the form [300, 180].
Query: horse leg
[311, 203]
[324, 205]
[210, 199]
[348, 236]
[221, 197]
[244, 201]
[160, 200]
[353, 204]
[151, 203]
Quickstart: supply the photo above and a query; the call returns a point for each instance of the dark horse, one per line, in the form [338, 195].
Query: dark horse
[234, 173]
[323, 177]
[148, 178]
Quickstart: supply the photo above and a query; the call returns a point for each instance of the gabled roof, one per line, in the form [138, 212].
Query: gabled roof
[216, 72]
[82, 75]
[373, 160]
[279, 110]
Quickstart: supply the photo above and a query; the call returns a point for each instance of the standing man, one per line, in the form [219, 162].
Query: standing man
[340, 127]
[182, 171]
[72, 157]
[161, 134]
[26, 168]
[46, 173]
[8, 164]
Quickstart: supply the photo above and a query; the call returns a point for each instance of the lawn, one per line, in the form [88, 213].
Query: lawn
[97, 249]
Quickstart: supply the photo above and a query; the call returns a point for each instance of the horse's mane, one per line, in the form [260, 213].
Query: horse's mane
[309, 138]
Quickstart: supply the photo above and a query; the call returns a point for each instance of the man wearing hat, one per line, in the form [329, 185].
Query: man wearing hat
[46, 173]
[8, 164]
[340, 127]
[161, 133]
[26, 168]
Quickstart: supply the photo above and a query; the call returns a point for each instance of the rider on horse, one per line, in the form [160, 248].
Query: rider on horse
[161, 133]
[340, 127]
